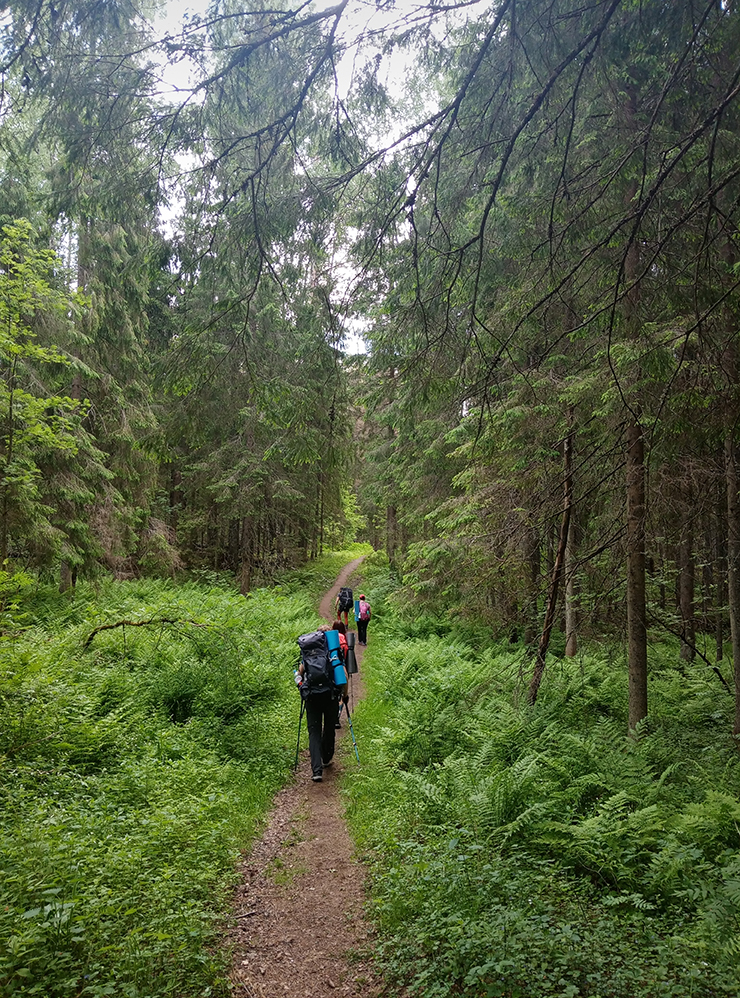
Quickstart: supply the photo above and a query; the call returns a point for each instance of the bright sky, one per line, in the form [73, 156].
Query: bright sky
[362, 17]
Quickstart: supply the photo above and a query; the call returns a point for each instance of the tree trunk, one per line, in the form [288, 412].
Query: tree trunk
[635, 477]
[67, 573]
[245, 575]
[550, 549]
[9, 454]
[557, 571]
[720, 575]
[65, 577]
[686, 579]
[661, 588]
[730, 366]
[176, 497]
[571, 613]
[314, 530]
[636, 625]
[532, 555]
[321, 513]
[391, 528]
[733, 566]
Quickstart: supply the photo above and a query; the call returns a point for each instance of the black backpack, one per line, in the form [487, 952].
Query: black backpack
[345, 598]
[318, 673]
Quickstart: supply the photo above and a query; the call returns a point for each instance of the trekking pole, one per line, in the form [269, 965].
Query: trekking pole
[298, 743]
[352, 732]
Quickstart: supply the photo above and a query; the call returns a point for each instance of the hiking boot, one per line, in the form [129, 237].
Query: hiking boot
[317, 777]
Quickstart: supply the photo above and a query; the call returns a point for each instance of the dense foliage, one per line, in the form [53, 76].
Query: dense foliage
[529, 209]
[537, 850]
[531, 212]
[534, 223]
[135, 763]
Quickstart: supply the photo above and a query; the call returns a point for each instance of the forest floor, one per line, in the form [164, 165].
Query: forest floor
[298, 927]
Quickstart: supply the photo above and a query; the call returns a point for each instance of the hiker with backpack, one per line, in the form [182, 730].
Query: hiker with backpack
[323, 680]
[343, 604]
[363, 619]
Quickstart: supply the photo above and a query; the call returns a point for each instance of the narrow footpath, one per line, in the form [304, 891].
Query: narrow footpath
[298, 926]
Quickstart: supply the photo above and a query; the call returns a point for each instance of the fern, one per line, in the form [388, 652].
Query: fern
[513, 837]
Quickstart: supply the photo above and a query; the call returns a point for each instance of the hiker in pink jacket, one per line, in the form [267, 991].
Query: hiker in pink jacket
[363, 620]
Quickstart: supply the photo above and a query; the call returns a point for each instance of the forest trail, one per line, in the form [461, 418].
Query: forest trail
[298, 927]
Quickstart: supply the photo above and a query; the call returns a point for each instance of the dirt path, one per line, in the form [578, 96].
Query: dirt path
[298, 909]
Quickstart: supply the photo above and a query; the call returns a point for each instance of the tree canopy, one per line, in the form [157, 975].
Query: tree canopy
[530, 211]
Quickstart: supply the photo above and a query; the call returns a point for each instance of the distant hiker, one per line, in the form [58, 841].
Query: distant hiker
[321, 698]
[363, 620]
[343, 604]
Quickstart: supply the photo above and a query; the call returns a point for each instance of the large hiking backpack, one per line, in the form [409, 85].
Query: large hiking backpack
[318, 671]
[364, 610]
[345, 598]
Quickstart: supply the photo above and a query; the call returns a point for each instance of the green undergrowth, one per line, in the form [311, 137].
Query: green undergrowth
[135, 763]
[317, 576]
[537, 851]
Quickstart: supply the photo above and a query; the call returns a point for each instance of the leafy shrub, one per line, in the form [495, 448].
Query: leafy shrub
[136, 762]
[539, 851]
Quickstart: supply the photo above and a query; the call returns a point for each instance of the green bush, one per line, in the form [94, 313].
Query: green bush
[135, 763]
[539, 851]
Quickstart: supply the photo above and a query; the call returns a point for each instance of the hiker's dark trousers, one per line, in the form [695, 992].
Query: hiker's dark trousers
[322, 710]
[362, 631]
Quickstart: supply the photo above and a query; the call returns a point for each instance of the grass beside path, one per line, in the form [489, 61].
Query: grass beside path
[133, 773]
